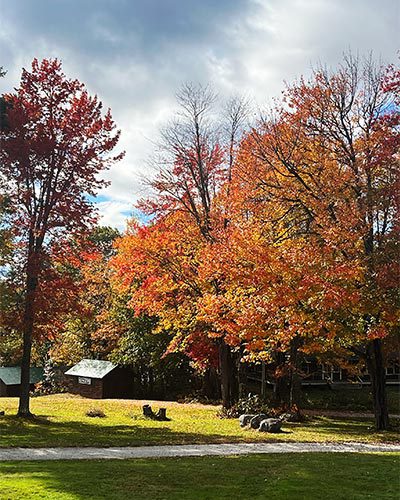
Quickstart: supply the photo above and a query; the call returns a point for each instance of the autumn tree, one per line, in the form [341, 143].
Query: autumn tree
[9, 339]
[322, 172]
[102, 323]
[157, 265]
[57, 296]
[195, 160]
[56, 143]
[89, 330]
[143, 347]
[4, 201]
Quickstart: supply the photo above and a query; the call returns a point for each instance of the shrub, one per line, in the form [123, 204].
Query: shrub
[95, 412]
[251, 404]
[52, 382]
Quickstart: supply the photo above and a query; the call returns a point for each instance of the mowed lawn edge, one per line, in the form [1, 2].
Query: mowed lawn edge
[338, 476]
[61, 421]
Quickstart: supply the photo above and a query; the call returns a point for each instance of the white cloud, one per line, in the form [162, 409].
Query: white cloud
[114, 213]
[135, 55]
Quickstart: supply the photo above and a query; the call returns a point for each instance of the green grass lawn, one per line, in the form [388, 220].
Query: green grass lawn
[61, 421]
[348, 398]
[288, 476]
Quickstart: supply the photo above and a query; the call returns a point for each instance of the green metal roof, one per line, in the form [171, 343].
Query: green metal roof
[11, 375]
[92, 368]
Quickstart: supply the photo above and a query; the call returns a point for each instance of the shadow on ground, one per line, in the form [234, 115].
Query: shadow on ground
[44, 432]
[312, 476]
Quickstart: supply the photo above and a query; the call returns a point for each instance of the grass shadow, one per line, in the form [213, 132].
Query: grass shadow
[41, 432]
[312, 476]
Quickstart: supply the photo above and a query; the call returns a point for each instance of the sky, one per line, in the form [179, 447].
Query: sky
[135, 54]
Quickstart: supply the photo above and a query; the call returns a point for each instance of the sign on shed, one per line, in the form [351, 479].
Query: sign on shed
[85, 380]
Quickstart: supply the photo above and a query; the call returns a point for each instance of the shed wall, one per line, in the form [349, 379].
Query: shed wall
[12, 391]
[94, 390]
[118, 384]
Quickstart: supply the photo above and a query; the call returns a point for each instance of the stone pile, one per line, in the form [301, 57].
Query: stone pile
[261, 421]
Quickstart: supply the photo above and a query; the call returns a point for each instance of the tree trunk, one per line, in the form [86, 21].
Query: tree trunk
[228, 370]
[241, 376]
[263, 380]
[29, 314]
[211, 384]
[287, 389]
[151, 381]
[377, 373]
[295, 380]
[295, 390]
[281, 386]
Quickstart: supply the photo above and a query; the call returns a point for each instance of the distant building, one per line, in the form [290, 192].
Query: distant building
[314, 373]
[93, 378]
[10, 379]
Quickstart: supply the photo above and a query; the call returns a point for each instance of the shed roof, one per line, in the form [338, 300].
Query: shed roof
[93, 368]
[11, 375]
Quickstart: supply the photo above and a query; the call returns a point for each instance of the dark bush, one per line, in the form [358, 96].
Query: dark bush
[251, 404]
[95, 412]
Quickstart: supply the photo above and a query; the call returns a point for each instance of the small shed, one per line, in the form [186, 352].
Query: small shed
[93, 378]
[10, 379]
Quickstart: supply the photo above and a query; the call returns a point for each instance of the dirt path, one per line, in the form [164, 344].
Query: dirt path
[8, 454]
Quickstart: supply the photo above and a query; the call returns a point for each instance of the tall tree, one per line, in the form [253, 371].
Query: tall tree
[56, 143]
[196, 158]
[323, 171]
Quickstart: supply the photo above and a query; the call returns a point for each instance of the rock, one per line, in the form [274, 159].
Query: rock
[270, 425]
[255, 421]
[294, 416]
[245, 419]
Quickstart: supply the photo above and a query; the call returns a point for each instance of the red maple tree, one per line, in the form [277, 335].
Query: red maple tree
[56, 143]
